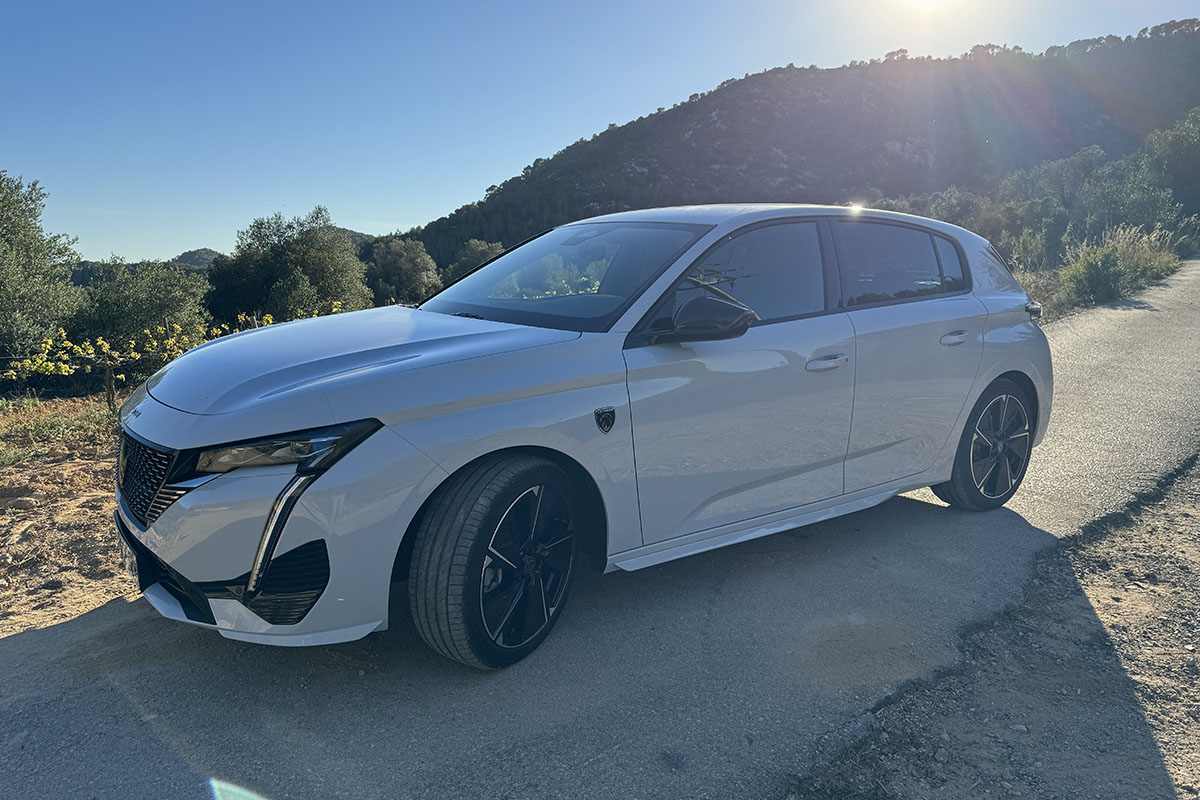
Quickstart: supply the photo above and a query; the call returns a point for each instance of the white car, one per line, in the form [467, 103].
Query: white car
[624, 390]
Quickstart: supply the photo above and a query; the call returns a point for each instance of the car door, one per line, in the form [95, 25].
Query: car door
[918, 343]
[729, 430]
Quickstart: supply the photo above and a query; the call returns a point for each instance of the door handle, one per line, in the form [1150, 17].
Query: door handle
[955, 337]
[826, 363]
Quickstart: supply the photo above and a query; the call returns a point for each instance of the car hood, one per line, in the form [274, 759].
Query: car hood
[263, 366]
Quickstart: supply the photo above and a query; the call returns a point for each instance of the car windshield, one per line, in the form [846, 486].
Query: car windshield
[578, 278]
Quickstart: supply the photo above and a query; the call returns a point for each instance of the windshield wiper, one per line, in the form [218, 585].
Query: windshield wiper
[466, 314]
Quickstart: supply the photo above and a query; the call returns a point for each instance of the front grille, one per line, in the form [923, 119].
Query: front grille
[166, 495]
[141, 472]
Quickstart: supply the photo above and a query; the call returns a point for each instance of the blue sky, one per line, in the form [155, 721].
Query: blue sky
[162, 127]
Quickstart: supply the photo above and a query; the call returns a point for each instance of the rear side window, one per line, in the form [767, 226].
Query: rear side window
[951, 263]
[775, 271]
[889, 262]
[991, 251]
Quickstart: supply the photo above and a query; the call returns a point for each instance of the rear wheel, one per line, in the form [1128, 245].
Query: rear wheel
[493, 560]
[993, 451]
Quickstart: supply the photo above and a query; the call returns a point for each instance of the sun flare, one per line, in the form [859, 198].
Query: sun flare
[926, 6]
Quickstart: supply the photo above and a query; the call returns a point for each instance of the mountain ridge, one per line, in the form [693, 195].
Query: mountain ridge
[863, 131]
[867, 130]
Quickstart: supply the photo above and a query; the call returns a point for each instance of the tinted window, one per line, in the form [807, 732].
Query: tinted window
[775, 271]
[952, 268]
[887, 262]
[579, 277]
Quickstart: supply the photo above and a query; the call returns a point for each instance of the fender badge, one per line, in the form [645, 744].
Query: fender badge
[605, 417]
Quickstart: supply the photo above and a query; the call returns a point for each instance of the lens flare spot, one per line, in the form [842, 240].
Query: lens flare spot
[227, 791]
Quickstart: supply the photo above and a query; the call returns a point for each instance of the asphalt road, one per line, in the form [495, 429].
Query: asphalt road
[722, 675]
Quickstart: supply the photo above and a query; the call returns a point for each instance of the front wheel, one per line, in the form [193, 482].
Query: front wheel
[493, 559]
[993, 452]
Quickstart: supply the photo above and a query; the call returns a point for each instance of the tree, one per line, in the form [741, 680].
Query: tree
[288, 268]
[401, 271]
[473, 253]
[123, 300]
[36, 294]
[1130, 191]
[1062, 180]
[1178, 149]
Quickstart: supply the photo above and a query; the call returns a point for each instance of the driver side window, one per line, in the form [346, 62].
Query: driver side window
[775, 271]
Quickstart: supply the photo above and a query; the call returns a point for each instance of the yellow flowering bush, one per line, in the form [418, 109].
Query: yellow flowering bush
[58, 355]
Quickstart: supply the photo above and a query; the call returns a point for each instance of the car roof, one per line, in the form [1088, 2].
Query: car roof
[731, 215]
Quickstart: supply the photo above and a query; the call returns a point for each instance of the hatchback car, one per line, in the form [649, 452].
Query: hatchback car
[624, 390]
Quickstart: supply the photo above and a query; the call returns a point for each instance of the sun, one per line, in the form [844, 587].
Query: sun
[926, 6]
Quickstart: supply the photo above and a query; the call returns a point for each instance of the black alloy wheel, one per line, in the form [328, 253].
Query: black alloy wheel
[1000, 446]
[527, 567]
[493, 558]
[993, 451]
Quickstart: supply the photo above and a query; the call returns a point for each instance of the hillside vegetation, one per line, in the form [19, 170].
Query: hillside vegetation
[1081, 165]
[886, 128]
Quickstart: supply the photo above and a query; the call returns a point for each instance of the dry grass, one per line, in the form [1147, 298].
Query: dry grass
[1043, 286]
[31, 428]
[1124, 261]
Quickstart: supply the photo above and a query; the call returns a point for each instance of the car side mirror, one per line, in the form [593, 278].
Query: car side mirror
[707, 319]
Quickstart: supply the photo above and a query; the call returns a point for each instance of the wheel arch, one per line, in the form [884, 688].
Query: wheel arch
[1026, 383]
[1035, 376]
[595, 518]
[1029, 380]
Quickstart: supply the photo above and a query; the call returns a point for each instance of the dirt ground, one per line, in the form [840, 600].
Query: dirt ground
[1089, 687]
[58, 551]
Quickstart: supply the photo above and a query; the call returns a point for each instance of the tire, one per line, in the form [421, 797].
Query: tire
[493, 560]
[993, 451]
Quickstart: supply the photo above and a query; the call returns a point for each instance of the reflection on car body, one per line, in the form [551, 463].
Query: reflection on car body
[627, 390]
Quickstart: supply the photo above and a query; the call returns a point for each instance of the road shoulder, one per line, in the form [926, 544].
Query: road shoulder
[1084, 688]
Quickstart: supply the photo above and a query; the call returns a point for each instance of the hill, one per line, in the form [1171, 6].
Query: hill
[357, 239]
[196, 258]
[888, 127]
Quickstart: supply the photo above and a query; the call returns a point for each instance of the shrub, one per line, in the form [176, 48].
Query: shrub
[1092, 277]
[154, 347]
[1125, 260]
[1186, 241]
[1143, 257]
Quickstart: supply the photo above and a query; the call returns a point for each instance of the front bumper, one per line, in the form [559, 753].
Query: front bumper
[293, 584]
[330, 574]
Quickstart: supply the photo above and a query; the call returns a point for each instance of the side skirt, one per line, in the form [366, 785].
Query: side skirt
[703, 541]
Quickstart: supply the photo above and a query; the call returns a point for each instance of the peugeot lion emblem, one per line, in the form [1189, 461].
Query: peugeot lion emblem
[605, 417]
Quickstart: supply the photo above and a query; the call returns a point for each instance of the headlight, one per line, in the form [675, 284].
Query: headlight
[313, 450]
